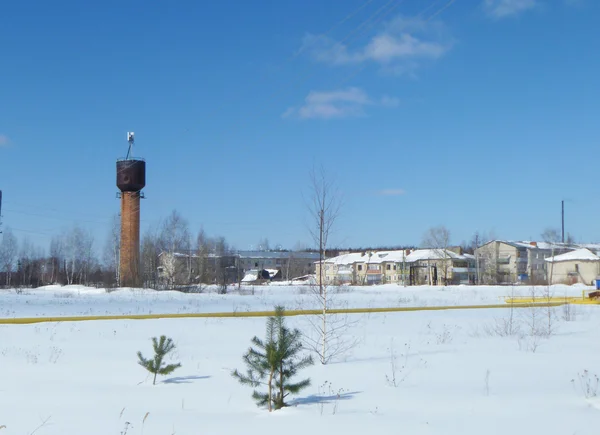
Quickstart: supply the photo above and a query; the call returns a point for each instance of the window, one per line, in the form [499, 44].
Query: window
[394, 267]
[389, 267]
[373, 266]
[255, 264]
[577, 268]
[360, 267]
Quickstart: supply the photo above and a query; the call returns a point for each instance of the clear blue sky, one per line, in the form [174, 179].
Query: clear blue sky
[482, 115]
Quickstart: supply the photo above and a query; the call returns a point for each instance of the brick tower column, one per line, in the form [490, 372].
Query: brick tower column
[129, 259]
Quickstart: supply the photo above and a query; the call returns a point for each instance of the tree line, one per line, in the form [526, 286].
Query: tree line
[75, 257]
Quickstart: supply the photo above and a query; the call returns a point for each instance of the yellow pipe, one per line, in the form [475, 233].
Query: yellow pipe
[30, 320]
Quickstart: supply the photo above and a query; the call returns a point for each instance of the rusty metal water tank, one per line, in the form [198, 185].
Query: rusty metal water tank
[131, 175]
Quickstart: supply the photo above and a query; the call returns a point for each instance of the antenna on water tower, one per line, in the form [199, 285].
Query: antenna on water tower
[130, 139]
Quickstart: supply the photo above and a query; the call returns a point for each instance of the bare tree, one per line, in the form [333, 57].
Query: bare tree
[202, 250]
[150, 252]
[222, 252]
[438, 239]
[324, 206]
[175, 238]
[112, 248]
[79, 254]
[8, 253]
[25, 261]
[263, 244]
[56, 258]
[551, 235]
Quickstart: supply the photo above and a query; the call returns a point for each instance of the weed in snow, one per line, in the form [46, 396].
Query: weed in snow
[588, 383]
[400, 370]
[486, 387]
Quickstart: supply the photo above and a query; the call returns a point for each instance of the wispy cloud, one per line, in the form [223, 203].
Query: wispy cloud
[4, 140]
[343, 103]
[400, 47]
[391, 192]
[507, 8]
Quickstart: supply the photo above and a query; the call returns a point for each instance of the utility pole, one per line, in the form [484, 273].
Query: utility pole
[563, 220]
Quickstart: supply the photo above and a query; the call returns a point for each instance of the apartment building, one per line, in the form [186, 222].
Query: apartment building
[510, 262]
[404, 267]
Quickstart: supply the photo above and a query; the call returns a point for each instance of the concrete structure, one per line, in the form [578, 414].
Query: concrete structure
[578, 266]
[183, 268]
[515, 262]
[131, 179]
[510, 262]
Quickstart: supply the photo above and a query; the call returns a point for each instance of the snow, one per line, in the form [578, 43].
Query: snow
[78, 300]
[577, 255]
[378, 257]
[84, 377]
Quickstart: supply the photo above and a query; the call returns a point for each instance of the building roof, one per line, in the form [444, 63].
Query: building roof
[576, 255]
[279, 254]
[398, 256]
[530, 244]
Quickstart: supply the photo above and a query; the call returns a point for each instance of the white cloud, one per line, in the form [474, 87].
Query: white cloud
[506, 8]
[4, 140]
[343, 103]
[391, 192]
[399, 47]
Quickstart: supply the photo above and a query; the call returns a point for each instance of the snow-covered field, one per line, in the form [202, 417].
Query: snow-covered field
[79, 300]
[454, 371]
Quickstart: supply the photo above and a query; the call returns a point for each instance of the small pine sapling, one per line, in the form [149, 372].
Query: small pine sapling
[162, 348]
[274, 362]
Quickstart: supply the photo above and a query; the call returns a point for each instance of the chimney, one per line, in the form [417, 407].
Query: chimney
[533, 244]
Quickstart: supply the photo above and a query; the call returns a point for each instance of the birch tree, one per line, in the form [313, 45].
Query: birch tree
[438, 239]
[175, 237]
[324, 206]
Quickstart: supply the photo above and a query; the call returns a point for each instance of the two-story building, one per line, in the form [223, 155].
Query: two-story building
[404, 267]
[510, 262]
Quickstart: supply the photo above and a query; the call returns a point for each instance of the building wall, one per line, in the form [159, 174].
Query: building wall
[572, 272]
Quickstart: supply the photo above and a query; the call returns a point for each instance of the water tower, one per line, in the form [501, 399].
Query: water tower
[131, 179]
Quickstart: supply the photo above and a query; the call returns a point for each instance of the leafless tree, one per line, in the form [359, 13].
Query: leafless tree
[202, 250]
[8, 253]
[56, 258]
[150, 252]
[263, 244]
[324, 206]
[551, 235]
[438, 239]
[112, 248]
[79, 254]
[222, 252]
[174, 238]
[25, 261]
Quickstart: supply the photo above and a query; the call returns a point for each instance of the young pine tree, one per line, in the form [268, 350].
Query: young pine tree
[274, 362]
[162, 348]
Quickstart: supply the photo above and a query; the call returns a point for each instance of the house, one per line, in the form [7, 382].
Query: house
[578, 266]
[510, 262]
[405, 267]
